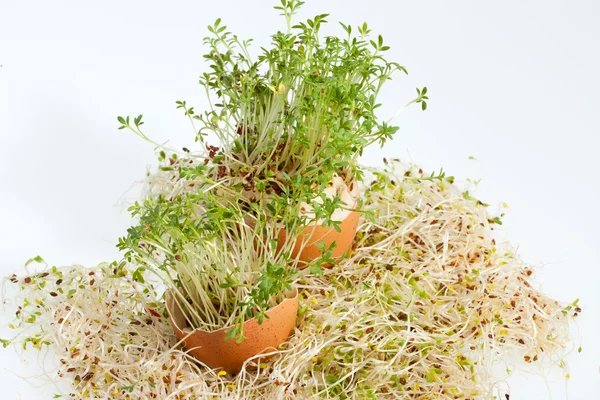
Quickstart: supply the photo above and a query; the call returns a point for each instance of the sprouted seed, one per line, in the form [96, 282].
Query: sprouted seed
[424, 307]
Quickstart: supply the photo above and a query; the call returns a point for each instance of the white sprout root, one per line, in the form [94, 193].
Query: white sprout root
[424, 308]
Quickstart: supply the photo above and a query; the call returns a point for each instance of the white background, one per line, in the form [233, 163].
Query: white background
[514, 83]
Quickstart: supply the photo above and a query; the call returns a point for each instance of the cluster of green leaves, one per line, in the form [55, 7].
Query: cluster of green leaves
[304, 107]
[296, 115]
[287, 123]
[223, 261]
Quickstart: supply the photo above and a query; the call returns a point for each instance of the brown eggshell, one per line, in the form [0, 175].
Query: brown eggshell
[314, 236]
[212, 349]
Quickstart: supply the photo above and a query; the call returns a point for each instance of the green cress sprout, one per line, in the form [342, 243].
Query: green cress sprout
[290, 119]
[221, 260]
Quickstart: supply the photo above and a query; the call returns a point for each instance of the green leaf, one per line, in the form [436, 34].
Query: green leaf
[5, 343]
[128, 388]
[495, 220]
[431, 376]
[138, 275]
[347, 28]
[36, 259]
[467, 196]
[316, 270]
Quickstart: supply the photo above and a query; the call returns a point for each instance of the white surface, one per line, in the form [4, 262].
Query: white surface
[513, 83]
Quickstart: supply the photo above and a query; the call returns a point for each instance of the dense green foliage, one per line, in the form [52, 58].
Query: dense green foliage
[287, 123]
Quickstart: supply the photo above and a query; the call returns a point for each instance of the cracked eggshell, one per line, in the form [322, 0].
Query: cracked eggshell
[307, 244]
[212, 349]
